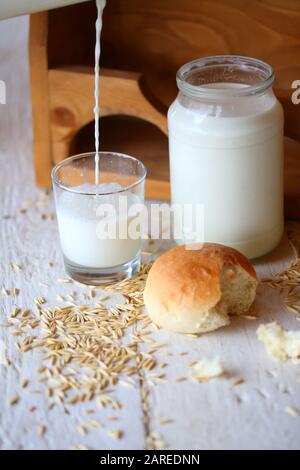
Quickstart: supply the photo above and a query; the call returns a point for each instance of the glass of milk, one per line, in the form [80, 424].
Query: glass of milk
[226, 151]
[100, 225]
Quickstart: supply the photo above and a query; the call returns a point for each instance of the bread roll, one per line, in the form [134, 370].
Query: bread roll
[194, 291]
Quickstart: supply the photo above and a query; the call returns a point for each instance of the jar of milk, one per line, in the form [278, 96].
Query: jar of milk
[226, 151]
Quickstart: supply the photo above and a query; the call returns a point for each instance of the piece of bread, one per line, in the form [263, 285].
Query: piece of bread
[280, 344]
[194, 291]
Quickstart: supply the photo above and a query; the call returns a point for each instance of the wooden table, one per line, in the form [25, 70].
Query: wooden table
[211, 415]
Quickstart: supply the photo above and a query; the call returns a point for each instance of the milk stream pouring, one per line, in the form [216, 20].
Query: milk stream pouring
[226, 152]
[100, 7]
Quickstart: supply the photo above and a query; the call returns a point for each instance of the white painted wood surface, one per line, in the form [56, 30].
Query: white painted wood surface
[205, 416]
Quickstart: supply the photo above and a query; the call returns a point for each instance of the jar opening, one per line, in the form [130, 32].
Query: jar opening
[224, 76]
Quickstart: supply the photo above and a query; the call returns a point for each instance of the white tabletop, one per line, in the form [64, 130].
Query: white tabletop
[213, 415]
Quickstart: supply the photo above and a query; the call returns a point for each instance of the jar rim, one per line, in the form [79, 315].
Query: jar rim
[264, 72]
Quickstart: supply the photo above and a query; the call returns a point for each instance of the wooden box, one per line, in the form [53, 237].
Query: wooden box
[143, 44]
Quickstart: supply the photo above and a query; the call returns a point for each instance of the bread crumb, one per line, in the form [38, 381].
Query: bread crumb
[206, 369]
[16, 267]
[280, 344]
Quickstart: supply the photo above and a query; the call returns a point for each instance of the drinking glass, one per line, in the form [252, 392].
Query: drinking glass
[100, 226]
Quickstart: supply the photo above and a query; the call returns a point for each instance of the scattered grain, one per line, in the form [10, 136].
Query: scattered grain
[44, 284]
[292, 411]
[14, 400]
[82, 430]
[87, 347]
[15, 312]
[112, 418]
[16, 291]
[180, 379]
[24, 383]
[236, 382]
[166, 421]
[115, 433]
[40, 301]
[41, 430]
[79, 447]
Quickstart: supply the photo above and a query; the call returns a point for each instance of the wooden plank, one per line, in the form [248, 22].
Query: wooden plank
[72, 103]
[40, 97]
[156, 189]
[292, 179]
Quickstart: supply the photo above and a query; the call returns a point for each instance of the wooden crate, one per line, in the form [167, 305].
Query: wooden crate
[143, 44]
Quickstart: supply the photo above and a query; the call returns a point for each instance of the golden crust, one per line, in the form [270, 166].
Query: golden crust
[191, 277]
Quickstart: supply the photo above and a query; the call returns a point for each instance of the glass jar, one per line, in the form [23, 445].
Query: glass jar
[226, 151]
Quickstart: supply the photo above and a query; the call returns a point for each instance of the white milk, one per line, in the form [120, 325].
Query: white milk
[78, 223]
[232, 165]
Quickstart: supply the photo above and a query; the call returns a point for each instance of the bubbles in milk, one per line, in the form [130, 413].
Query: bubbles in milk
[103, 188]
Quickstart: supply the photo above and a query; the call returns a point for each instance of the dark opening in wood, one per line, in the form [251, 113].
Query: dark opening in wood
[129, 135]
